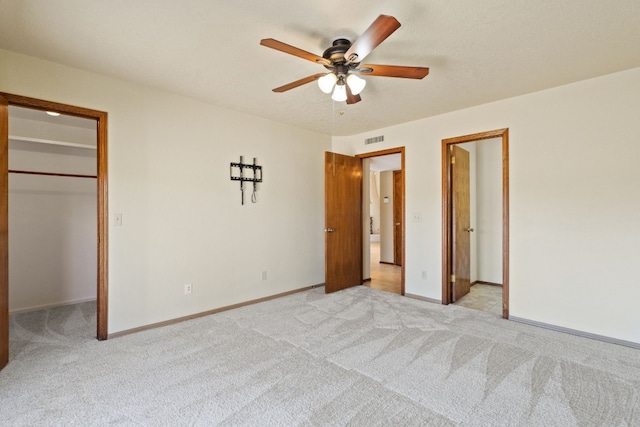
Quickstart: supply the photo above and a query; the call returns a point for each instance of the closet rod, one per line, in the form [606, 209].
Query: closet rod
[52, 174]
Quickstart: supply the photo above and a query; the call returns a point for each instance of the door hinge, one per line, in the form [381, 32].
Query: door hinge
[453, 278]
[453, 160]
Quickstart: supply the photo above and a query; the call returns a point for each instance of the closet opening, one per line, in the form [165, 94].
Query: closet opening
[56, 184]
[52, 205]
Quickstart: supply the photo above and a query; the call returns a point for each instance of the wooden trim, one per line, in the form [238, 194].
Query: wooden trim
[505, 224]
[210, 312]
[446, 225]
[446, 220]
[52, 174]
[397, 150]
[498, 133]
[4, 232]
[103, 230]
[368, 155]
[101, 120]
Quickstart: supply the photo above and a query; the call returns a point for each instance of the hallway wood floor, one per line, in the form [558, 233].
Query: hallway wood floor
[386, 277]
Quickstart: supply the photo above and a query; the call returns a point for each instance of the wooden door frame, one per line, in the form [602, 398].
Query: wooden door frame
[102, 212]
[446, 211]
[397, 150]
[397, 261]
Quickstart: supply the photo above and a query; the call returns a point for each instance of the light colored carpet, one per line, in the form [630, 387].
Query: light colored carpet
[483, 297]
[356, 357]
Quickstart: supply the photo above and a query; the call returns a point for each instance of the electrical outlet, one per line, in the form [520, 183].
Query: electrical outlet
[424, 274]
[264, 275]
[188, 288]
[417, 217]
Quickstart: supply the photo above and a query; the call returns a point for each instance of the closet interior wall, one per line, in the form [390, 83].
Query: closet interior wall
[52, 210]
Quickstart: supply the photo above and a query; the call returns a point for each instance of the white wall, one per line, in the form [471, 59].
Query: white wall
[182, 219]
[386, 217]
[52, 226]
[574, 200]
[374, 205]
[488, 223]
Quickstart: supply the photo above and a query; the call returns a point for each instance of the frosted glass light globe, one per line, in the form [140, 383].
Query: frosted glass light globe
[356, 84]
[339, 93]
[327, 82]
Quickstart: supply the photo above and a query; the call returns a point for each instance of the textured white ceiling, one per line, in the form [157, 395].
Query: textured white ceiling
[477, 51]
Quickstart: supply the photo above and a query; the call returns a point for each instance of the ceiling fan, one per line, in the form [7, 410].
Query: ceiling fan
[343, 59]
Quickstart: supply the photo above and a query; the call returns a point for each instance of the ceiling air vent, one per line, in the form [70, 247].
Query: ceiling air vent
[374, 140]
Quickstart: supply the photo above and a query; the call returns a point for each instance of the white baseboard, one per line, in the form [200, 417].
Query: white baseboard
[576, 332]
[45, 306]
[421, 298]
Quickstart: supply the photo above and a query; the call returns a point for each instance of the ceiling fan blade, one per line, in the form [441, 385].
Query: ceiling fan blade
[378, 31]
[351, 98]
[291, 50]
[394, 71]
[297, 83]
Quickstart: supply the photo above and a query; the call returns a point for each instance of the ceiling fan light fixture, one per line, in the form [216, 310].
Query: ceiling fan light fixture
[356, 84]
[339, 93]
[327, 82]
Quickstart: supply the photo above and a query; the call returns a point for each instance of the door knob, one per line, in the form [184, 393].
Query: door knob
[470, 230]
[397, 223]
[328, 230]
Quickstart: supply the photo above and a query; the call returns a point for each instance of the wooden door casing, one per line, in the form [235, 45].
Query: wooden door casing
[102, 188]
[461, 223]
[343, 222]
[397, 217]
[503, 134]
[4, 232]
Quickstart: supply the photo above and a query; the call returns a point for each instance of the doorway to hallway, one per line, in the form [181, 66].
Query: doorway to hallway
[383, 220]
[384, 276]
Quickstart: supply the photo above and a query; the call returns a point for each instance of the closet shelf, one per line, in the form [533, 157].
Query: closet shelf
[51, 142]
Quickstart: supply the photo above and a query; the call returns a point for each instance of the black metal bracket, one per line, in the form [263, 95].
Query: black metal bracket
[255, 178]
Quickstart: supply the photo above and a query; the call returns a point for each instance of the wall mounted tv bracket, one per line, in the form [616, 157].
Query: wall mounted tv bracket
[247, 173]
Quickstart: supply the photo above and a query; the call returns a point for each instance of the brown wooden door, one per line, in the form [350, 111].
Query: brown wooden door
[398, 221]
[343, 221]
[461, 223]
[4, 232]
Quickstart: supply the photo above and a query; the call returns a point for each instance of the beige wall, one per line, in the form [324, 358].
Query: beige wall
[182, 219]
[386, 217]
[488, 223]
[575, 204]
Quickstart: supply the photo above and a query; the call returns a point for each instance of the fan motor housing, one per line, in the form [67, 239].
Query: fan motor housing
[336, 52]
